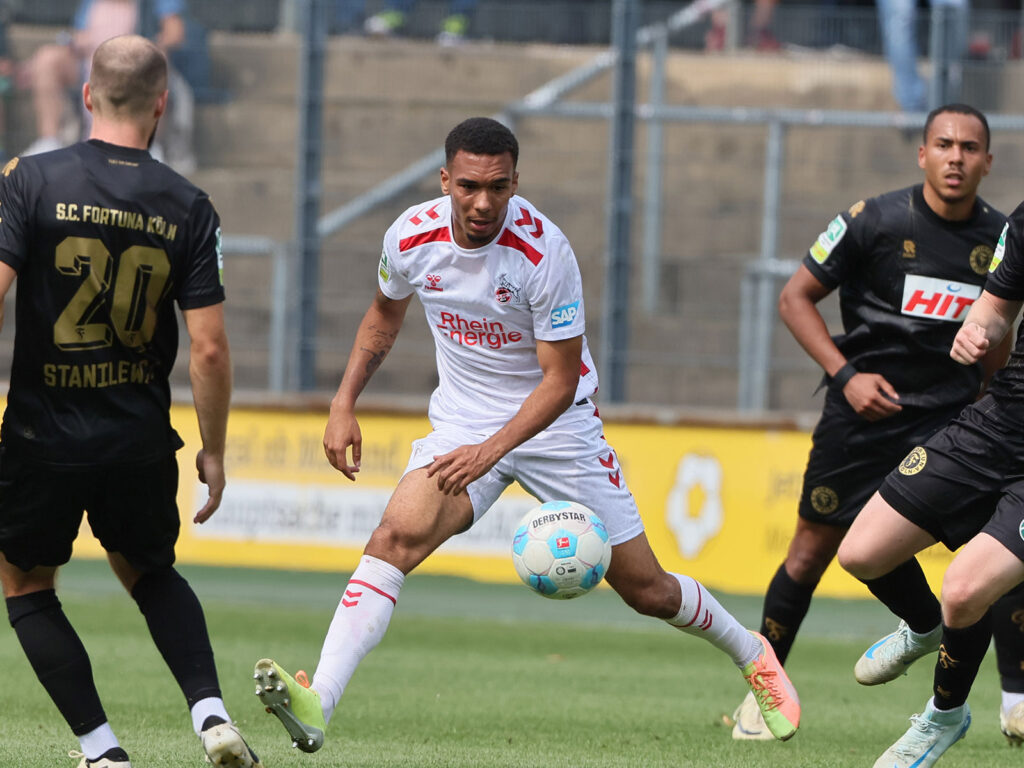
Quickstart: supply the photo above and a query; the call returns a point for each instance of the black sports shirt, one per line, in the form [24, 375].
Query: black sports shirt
[906, 279]
[1006, 280]
[104, 240]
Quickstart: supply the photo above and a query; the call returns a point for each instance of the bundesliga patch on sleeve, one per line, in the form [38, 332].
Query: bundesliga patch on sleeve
[828, 240]
[565, 315]
[384, 270]
[997, 257]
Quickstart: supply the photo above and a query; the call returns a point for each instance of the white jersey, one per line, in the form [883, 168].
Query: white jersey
[487, 307]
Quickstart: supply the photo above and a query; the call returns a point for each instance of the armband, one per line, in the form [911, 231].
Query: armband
[842, 377]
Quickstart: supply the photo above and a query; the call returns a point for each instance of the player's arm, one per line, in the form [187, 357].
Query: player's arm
[209, 368]
[986, 326]
[869, 394]
[7, 275]
[374, 339]
[560, 369]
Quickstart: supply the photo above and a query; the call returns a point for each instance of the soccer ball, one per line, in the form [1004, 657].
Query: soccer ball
[561, 550]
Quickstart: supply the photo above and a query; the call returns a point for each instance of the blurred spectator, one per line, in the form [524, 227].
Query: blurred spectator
[760, 36]
[393, 17]
[59, 68]
[6, 76]
[898, 20]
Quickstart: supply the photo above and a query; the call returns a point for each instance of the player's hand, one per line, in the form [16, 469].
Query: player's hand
[970, 345]
[457, 469]
[211, 472]
[871, 396]
[342, 432]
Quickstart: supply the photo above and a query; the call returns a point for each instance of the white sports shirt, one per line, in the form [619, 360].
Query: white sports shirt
[487, 307]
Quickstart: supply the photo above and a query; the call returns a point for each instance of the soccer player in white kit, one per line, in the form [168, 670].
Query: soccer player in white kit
[502, 293]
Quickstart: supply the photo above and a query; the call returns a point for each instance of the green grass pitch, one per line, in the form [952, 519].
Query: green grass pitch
[479, 676]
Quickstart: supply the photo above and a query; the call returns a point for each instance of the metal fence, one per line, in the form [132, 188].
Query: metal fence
[740, 160]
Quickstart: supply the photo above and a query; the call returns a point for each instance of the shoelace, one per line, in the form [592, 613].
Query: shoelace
[899, 646]
[924, 727]
[302, 678]
[765, 686]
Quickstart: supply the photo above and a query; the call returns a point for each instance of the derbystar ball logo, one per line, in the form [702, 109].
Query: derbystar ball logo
[937, 299]
[566, 315]
[476, 333]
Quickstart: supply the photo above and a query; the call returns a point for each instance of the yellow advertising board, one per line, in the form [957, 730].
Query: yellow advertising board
[718, 503]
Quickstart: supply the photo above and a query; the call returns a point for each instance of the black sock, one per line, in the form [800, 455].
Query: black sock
[58, 657]
[785, 606]
[905, 592]
[1008, 632]
[960, 656]
[178, 627]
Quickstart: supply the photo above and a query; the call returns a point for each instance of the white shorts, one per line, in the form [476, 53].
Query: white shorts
[570, 461]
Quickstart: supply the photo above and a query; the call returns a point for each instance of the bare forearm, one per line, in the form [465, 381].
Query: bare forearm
[374, 339]
[211, 392]
[546, 403]
[810, 331]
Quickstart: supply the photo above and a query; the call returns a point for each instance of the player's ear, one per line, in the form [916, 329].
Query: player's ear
[446, 180]
[161, 106]
[921, 151]
[87, 96]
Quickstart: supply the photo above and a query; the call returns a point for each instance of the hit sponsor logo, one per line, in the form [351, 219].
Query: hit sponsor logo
[937, 299]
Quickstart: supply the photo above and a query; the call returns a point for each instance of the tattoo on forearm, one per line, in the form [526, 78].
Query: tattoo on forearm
[381, 343]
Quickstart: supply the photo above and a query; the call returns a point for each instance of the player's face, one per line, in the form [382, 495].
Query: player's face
[954, 157]
[480, 187]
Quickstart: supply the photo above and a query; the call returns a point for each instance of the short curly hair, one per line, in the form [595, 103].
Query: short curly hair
[481, 136]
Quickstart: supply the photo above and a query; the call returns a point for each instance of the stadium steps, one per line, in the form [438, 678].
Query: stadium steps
[388, 103]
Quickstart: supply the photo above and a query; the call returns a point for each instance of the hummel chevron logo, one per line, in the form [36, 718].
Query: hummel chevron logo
[351, 603]
[528, 220]
[614, 479]
[609, 462]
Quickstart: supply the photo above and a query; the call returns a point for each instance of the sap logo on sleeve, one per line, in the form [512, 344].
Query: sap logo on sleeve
[563, 316]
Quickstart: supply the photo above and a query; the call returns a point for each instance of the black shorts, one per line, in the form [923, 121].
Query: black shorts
[132, 509]
[850, 456]
[967, 478]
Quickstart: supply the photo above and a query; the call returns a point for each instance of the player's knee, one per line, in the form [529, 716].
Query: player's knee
[155, 585]
[962, 603]
[22, 606]
[807, 566]
[857, 561]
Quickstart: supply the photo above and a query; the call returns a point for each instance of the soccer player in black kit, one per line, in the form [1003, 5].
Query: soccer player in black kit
[908, 264]
[104, 240]
[963, 486]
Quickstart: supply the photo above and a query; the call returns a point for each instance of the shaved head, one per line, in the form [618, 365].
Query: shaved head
[129, 74]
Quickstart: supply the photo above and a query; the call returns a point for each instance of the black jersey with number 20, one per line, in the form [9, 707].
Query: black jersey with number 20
[104, 240]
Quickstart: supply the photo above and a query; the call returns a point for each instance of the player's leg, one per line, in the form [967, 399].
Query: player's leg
[1008, 637]
[788, 598]
[879, 550]
[135, 516]
[687, 605]
[786, 603]
[417, 520]
[40, 513]
[980, 573]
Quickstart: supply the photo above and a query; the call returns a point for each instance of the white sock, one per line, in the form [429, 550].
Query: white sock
[359, 624]
[702, 615]
[1011, 700]
[97, 741]
[205, 708]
